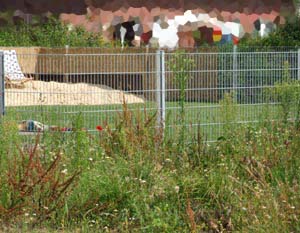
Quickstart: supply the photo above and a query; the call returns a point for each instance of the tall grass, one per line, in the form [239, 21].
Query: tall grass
[132, 179]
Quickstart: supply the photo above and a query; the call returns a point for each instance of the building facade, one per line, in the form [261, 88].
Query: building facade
[161, 23]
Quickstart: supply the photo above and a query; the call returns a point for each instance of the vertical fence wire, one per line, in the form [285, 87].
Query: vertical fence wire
[2, 85]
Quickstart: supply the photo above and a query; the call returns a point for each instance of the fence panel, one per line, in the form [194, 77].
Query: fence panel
[94, 85]
[247, 76]
[184, 88]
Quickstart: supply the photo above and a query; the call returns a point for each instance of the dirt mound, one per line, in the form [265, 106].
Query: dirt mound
[54, 93]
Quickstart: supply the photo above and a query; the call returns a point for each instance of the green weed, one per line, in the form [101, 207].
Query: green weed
[131, 180]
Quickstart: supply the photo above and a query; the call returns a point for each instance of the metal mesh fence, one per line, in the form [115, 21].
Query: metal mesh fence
[247, 77]
[185, 88]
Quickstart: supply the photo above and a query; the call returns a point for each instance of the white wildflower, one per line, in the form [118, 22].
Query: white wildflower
[65, 171]
[142, 181]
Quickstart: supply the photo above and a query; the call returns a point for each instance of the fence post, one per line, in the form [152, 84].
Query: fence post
[234, 75]
[160, 88]
[2, 85]
[298, 65]
[66, 77]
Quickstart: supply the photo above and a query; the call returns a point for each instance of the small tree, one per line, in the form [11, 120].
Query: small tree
[181, 64]
[287, 94]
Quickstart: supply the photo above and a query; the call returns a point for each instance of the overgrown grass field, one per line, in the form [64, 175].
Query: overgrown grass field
[208, 116]
[130, 177]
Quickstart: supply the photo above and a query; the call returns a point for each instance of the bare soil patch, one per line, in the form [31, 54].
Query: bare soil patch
[55, 93]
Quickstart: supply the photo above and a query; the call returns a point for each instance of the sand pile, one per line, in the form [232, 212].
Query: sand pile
[54, 93]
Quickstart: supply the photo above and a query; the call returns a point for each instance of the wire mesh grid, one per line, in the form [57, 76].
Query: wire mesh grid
[247, 77]
[182, 88]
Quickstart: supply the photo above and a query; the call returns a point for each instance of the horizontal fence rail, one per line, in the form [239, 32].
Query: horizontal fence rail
[184, 89]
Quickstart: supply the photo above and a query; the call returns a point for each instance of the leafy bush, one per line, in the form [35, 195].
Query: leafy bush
[53, 33]
[287, 35]
[287, 94]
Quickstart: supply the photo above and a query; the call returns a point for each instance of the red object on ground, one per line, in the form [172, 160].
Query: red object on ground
[65, 129]
[99, 128]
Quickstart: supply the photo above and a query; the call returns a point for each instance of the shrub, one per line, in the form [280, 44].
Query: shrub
[287, 94]
[287, 35]
[53, 33]
[33, 186]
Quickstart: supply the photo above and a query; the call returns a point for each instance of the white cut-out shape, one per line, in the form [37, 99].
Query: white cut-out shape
[12, 69]
[225, 29]
[180, 19]
[236, 29]
[136, 27]
[203, 18]
[262, 30]
[190, 16]
[166, 37]
[122, 32]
